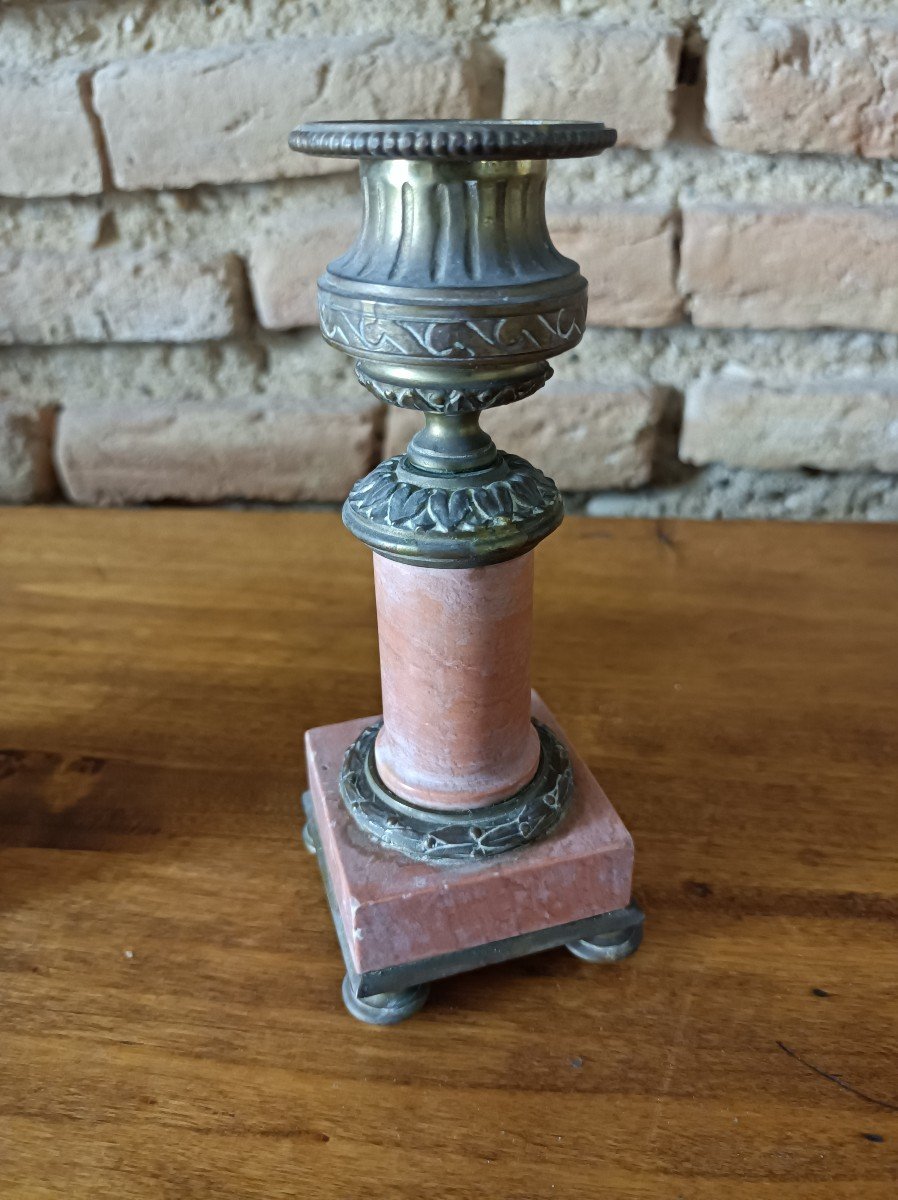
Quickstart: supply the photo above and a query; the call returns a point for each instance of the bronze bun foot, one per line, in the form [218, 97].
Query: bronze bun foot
[614, 946]
[385, 1008]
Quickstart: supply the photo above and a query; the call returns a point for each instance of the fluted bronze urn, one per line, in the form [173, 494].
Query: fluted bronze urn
[459, 827]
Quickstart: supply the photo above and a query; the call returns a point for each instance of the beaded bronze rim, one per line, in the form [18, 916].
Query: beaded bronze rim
[452, 140]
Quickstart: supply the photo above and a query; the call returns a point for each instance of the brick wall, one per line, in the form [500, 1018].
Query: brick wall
[159, 246]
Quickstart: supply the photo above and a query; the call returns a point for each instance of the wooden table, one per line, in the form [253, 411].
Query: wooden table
[170, 1017]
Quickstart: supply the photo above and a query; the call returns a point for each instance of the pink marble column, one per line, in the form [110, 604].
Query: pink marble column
[455, 673]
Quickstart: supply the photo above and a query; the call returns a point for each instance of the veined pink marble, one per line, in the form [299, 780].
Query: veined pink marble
[455, 675]
[394, 910]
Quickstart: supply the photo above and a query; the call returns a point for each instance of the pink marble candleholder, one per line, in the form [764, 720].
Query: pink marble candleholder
[460, 827]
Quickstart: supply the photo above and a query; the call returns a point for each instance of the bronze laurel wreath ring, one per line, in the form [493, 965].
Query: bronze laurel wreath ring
[431, 836]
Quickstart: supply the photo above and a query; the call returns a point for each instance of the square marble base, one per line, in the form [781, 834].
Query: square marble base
[402, 922]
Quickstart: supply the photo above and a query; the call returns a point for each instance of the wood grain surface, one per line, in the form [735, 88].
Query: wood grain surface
[170, 1018]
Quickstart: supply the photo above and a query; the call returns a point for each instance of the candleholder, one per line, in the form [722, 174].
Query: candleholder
[460, 827]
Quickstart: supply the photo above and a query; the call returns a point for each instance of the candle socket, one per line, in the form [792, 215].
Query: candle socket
[432, 822]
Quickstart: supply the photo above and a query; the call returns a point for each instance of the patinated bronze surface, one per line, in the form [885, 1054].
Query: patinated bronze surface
[451, 300]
